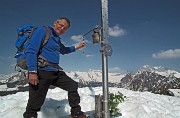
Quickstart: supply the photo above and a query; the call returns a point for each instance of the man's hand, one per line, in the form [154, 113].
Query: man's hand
[81, 45]
[33, 78]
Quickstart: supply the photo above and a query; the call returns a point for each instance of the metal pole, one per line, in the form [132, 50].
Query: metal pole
[105, 86]
[104, 42]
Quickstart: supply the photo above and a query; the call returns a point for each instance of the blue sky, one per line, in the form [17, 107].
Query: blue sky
[141, 32]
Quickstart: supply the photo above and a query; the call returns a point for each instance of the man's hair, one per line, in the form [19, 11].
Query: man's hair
[65, 18]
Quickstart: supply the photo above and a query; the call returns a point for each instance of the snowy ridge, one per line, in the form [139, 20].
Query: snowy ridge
[150, 81]
[4, 78]
[160, 70]
[94, 75]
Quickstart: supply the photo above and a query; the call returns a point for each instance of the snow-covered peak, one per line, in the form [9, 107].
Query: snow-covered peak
[146, 68]
[159, 70]
[152, 69]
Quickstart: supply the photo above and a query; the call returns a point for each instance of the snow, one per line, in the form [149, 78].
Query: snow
[136, 104]
[160, 70]
[176, 92]
[2, 87]
[95, 75]
[5, 88]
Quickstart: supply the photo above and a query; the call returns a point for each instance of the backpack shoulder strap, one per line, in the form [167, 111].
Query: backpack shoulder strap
[46, 38]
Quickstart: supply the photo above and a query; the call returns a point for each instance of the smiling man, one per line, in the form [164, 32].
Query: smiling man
[50, 73]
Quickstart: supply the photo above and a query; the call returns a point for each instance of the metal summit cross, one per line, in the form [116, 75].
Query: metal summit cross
[106, 51]
[101, 105]
[100, 35]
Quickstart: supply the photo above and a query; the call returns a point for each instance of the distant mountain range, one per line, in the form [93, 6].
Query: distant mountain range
[157, 80]
[153, 79]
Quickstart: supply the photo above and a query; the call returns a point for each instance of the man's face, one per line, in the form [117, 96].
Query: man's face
[61, 26]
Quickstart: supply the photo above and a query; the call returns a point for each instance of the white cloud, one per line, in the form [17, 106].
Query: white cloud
[77, 38]
[89, 55]
[116, 70]
[169, 54]
[116, 31]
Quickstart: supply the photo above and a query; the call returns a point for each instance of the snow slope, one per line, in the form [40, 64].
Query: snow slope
[136, 105]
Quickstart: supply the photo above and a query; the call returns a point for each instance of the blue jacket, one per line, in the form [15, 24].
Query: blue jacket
[51, 51]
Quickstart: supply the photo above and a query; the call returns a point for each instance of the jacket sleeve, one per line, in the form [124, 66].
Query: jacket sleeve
[66, 50]
[33, 48]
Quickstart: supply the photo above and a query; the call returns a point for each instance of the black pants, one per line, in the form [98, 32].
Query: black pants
[37, 94]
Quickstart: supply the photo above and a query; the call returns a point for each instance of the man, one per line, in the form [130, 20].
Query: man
[41, 77]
